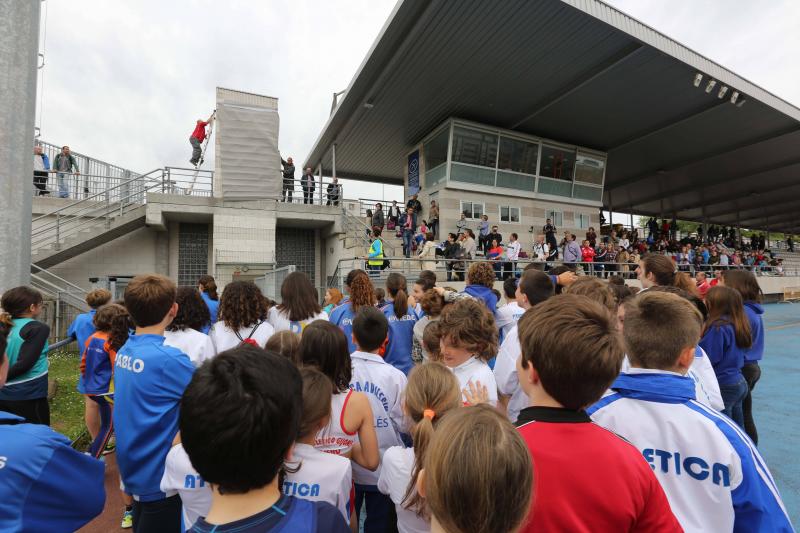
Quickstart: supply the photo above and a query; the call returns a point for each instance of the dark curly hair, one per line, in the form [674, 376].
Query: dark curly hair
[192, 310]
[114, 320]
[468, 324]
[242, 305]
[481, 274]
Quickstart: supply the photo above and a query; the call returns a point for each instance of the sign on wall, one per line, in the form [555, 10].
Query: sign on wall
[413, 172]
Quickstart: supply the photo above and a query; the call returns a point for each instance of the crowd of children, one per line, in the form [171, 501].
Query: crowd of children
[632, 411]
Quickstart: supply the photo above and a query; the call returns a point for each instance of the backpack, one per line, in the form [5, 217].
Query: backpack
[249, 340]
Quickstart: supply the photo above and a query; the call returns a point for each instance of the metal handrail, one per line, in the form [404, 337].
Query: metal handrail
[361, 231]
[58, 278]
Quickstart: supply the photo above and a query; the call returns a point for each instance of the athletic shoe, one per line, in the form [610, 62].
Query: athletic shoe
[127, 520]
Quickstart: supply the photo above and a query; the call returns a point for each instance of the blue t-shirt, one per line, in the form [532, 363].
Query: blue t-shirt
[213, 308]
[45, 485]
[726, 357]
[343, 317]
[289, 515]
[149, 380]
[82, 328]
[754, 313]
[401, 338]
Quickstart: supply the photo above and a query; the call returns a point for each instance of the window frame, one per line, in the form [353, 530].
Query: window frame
[510, 208]
[556, 216]
[472, 209]
[579, 218]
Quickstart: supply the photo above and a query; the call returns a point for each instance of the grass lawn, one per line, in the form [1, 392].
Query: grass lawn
[66, 407]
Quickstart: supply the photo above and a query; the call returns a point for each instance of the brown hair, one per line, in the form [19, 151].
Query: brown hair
[432, 391]
[114, 320]
[192, 313]
[286, 344]
[431, 337]
[324, 346]
[362, 292]
[299, 297]
[725, 306]
[745, 283]
[494, 482]
[658, 326]
[98, 297]
[574, 373]
[317, 391]
[481, 274]
[336, 295]
[665, 272]
[209, 286]
[397, 287]
[18, 301]
[536, 286]
[594, 289]
[148, 299]
[242, 305]
[432, 303]
[467, 323]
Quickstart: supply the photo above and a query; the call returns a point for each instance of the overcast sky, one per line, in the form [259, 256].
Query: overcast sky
[125, 81]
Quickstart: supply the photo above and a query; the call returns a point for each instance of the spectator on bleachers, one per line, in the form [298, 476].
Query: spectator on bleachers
[433, 218]
[334, 191]
[591, 236]
[461, 224]
[549, 231]
[308, 185]
[414, 204]
[377, 217]
[64, 164]
[483, 232]
[540, 249]
[288, 179]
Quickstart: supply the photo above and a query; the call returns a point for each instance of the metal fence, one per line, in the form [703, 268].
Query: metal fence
[323, 192]
[270, 283]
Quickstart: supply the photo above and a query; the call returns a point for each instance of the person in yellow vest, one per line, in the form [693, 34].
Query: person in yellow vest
[375, 256]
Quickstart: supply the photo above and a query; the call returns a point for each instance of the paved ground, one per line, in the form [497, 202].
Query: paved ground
[775, 402]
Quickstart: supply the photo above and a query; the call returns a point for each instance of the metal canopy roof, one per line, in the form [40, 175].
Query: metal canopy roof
[581, 72]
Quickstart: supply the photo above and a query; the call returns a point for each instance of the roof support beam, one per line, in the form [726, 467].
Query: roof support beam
[579, 82]
[792, 197]
[696, 159]
[790, 213]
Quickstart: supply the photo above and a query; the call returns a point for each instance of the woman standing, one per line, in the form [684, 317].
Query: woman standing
[433, 218]
[208, 290]
[377, 217]
[25, 392]
[299, 306]
[428, 253]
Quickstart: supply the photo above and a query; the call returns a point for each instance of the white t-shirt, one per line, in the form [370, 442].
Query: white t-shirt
[505, 372]
[224, 338]
[196, 345]
[334, 438]
[322, 477]
[280, 321]
[180, 475]
[512, 250]
[506, 317]
[474, 370]
[396, 470]
[383, 385]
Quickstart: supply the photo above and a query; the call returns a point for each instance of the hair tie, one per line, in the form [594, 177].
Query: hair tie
[429, 414]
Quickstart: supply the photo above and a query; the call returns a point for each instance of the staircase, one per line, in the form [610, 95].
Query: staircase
[357, 239]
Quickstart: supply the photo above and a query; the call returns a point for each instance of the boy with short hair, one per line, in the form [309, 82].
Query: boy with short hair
[239, 418]
[383, 384]
[533, 288]
[150, 378]
[507, 315]
[713, 475]
[587, 478]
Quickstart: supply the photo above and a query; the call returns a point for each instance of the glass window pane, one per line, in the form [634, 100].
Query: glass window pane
[520, 182]
[474, 147]
[436, 175]
[589, 169]
[435, 150]
[556, 217]
[513, 214]
[518, 156]
[480, 176]
[557, 163]
[503, 214]
[555, 187]
[585, 192]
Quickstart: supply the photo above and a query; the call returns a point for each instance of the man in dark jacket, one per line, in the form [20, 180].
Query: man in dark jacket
[414, 204]
[308, 186]
[288, 179]
[494, 236]
[334, 192]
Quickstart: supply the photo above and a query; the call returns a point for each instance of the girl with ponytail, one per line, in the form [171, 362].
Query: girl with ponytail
[361, 293]
[402, 319]
[660, 270]
[431, 392]
[208, 290]
[25, 392]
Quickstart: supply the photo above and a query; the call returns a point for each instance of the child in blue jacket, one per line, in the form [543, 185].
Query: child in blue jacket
[402, 319]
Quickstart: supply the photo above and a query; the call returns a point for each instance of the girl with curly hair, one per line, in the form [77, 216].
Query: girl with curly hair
[184, 333]
[469, 340]
[362, 293]
[243, 314]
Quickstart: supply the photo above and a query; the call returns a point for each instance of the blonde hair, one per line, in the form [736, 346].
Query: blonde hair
[478, 472]
[593, 288]
[432, 391]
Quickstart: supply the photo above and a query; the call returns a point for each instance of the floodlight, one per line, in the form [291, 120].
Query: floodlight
[710, 86]
[722, 92]
[697, 79]
[734, 97]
